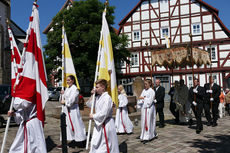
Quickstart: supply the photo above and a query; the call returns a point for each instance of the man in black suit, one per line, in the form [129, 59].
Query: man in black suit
[196, 98]
[172, 106]
[212, 101]
[159, 101]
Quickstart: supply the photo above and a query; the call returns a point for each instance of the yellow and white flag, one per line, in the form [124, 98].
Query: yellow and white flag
[106, 64]
[67, 65]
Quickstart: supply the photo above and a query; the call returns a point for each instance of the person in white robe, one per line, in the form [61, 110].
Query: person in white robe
[122, 122]
[75, 128]
[30, 136]
[104, 138]
[148, 113]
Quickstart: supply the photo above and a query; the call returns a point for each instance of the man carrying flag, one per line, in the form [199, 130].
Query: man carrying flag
[104, 138]
[31, 94]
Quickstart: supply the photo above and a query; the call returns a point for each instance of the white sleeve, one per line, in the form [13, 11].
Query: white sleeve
[123, 100]
[103, 113]
[21, 103]
[73, 98]
[148, 101]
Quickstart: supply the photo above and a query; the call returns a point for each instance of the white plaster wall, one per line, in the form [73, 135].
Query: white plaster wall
[195, 8]
[177, 39]
[164, 23]
[220, 34]
[129, 20]
[223, 54]
[156, 33]
[155, 25]
[207, 27]
[208, 36]
[217, 26]
[214, 64]
[136, 44]
[129, 44]
[185, 38]
[154, 42]
[204, 9]
[202, 79]
[197, 38]
[224, 47]
[173, 31]
[136, 16]
[145, 15]
[184, 9]
[227, 63]
[173, 2]
[185, 30]
[129, 36]
[196, 20]
[145, 34]
[176, 11]
[134, 70]
[136, 27]
[145, 26]
[185, 21]
[184, 1]
[145, 5]
[154, 3]
[160, 68]
[153, 15]
[207, 18]
[174, 23]
[127, 29]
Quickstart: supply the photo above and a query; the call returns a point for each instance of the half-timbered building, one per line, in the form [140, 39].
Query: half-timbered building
[150, 21]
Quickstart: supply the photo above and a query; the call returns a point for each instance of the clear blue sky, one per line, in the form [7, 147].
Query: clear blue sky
[21, 10]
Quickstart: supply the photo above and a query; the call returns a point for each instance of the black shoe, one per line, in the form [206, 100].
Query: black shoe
[198, 131]
[214, 124]
[161, 126]
[138, 137]
[209, 123]
[145, 141]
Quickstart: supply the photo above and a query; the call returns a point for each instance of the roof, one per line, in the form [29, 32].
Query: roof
[209, 7]
[63, 7]
[17, 31]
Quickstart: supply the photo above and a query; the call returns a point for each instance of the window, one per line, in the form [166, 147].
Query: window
[136, 35]
[190, 80]
[164, 32]
[196, 29]
[213, 52]
[134, 59]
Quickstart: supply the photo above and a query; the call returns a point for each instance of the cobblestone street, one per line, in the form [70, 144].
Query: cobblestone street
[172, 138]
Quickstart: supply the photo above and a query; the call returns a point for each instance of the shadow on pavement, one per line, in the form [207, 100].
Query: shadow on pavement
[123, 147]
[217, 144]
[50, 144]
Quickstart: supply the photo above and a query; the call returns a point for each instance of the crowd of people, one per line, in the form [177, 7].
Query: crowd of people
[199, 100]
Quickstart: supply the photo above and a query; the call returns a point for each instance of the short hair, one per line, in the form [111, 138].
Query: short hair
[122, 89]
[149, 82]
[196, 79]
[102, 82]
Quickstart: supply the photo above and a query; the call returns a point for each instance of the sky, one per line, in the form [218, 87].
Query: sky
[21, 10]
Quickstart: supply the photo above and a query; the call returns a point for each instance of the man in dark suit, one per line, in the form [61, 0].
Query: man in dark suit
[172, 106]
[196, 98]
[159, 101]
[212, 101]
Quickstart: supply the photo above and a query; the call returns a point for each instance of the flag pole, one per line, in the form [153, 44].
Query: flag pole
[93, 99]
[17, 79]
[63, 115]
[95, 79]
[12, 100]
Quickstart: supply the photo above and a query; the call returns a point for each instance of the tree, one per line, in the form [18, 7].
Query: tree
[83, 23]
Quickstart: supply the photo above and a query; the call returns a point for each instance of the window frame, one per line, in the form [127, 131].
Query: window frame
[133, 35]
[162, 34]
[136, 62]
[195, 32]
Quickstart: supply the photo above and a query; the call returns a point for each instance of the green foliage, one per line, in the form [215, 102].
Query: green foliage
[83, 23]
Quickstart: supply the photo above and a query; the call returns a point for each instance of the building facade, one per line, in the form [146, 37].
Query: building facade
[5, 52]
[150, 21]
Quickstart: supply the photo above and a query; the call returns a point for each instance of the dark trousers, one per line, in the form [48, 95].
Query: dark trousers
[228, 108]
[198, 111]
[161, 115]
[172, 108]
[207, 111]
[215, 111]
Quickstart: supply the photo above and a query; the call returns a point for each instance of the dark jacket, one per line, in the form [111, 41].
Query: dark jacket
[199, 95]
[159, 96]
[171, 93]
[216, 90]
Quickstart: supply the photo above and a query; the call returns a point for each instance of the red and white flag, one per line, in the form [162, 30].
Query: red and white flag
[15, 59]
[32, 86]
